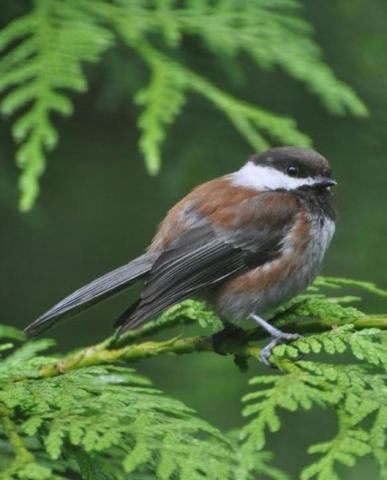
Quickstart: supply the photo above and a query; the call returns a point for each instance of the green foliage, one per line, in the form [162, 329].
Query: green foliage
[355, 391]
[42, 55]
[44, 51]
[106, 422]
[190, 311]
[162, 101]
[103, 423]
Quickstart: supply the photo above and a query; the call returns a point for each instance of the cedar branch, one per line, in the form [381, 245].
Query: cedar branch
[105, 353]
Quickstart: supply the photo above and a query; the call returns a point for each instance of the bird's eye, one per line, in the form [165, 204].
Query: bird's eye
[292, 170]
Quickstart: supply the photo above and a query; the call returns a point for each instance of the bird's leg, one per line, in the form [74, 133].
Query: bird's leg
[277, 337]
[230, 332]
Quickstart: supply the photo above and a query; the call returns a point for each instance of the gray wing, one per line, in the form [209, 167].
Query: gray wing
[203, 258]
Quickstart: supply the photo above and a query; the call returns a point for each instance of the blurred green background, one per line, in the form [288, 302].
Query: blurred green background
[99, 208]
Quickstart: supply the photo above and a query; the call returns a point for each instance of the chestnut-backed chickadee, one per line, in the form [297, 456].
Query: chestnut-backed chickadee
[245, 242]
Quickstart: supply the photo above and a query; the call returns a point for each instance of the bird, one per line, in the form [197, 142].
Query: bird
[244, 242]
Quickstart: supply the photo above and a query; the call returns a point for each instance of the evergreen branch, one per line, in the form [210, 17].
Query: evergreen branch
[185, 313]
[46, 49]
[89, 414]
[22, 455]
[24, 464]
[43, 51]
[118, 423]
[355, 391]
[348, 444]
[162, 100]
[100, 355]
[252, 122]
[270, 34]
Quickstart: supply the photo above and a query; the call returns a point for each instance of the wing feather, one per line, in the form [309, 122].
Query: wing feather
[205, 256]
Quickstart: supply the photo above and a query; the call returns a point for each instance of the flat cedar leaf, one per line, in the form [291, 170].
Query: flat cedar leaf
[138, 456]
[337, 282]
[89, 466]
[6, 331]
[109, 422]
[54, 441]
[31, 426]
[162, 100]
[32, 471]
[44, 50]
[27, 352]
[166, 468]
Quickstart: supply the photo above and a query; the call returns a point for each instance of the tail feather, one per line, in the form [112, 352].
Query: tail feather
[94, 292]
[125, 315]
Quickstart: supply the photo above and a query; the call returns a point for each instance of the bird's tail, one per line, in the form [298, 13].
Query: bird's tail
[94, 292]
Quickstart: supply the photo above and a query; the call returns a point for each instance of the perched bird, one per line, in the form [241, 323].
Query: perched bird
[246, 242]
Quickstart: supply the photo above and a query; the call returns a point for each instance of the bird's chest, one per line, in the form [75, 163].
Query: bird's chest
[320, 235]
[298, 265]
[275, 282]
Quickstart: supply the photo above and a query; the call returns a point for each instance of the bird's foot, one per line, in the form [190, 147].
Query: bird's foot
[230, 333]
[277, 337]
[268, 349]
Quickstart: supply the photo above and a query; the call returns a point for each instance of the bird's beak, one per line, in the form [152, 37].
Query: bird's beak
[325, 182]
[320, 184]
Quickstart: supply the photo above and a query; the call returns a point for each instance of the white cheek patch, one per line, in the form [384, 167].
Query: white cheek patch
[262, 177]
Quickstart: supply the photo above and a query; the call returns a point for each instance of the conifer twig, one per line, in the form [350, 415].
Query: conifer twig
[22, 454]
[102, 354]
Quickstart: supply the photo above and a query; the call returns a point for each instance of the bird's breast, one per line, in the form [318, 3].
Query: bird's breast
[274, 282]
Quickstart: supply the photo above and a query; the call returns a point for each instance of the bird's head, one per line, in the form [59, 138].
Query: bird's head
[286, 168]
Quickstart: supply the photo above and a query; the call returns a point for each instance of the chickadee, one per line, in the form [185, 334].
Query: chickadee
[246, 242]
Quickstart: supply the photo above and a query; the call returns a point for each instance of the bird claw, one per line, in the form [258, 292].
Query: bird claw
[220, 339]
[277, 337]
[288, 337]
[267, 351]
[276, 340]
